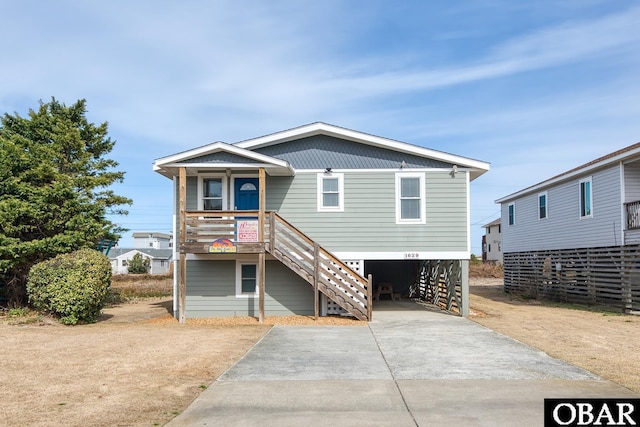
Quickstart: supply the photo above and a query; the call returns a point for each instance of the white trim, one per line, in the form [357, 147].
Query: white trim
[509, 223]
[238, 279]
[407, 255]
[422, 207]
[546, 204]
[225, 199]
[588, 179]
[213, 148]
[446, 170]
[572, 174]
[320, 180]
[363, 138]
[468, 185]
[623, 198]
[232, 186]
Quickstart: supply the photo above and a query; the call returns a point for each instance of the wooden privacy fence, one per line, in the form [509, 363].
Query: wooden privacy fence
[439, 282]
[608, 275]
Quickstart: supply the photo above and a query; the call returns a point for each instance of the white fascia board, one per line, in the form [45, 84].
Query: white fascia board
[215, 148]
[407, 255]
[326, 129]
[572, 174]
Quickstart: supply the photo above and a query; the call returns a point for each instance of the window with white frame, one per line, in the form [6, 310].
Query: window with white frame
[586, 198]
[246, 279]
[410, 198]
[212, 193]
[330, 192]
[512, 213]
[542, 205]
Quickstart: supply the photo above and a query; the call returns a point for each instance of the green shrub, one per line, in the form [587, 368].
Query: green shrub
[138, 264]
[71, 286]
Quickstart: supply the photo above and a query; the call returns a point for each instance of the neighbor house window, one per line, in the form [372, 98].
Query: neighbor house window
[542, 205]
[410, 198]
[212, 193]
[586, 198]
[246, 279]
[512, 213]
[330, 192]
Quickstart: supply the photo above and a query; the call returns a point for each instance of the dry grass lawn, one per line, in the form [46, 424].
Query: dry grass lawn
[603, 342]
[138, 367]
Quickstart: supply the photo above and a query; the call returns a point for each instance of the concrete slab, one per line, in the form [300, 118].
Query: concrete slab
[312, 353]
[298, 403]
[411, 366]
[518, 403]
[430, 345]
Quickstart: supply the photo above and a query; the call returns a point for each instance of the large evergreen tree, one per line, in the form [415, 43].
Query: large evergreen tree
[54, 188]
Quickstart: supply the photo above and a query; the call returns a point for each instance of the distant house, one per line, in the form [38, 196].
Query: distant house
[492, 242]
[318, 218]
[576, 236]
[159, 259]
[152, 240]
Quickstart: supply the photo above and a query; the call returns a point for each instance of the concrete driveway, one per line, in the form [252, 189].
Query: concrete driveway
[410, 367]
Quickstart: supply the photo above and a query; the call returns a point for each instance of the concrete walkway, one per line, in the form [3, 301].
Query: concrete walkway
[409, 367]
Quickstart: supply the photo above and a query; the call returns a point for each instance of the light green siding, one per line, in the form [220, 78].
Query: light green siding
[211, 291]
[368, 222]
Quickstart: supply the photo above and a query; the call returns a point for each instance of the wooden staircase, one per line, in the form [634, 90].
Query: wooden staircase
[317, 266]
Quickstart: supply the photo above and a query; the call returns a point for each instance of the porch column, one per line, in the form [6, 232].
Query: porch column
[464, 287]
[261, 255]
[182, 285]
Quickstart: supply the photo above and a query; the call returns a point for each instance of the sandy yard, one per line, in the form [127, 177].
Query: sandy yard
[138, 367]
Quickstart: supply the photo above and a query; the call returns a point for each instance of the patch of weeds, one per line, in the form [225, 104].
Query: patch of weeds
[22, 316]
[202, 386]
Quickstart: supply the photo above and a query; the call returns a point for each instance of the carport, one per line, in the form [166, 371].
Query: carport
[442, 283]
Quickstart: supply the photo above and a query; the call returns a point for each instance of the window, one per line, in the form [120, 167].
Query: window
[330, 192]
[542, 205]
[212, 193]
[499, 228]
[246, 279]
[410, 195]
[586, 198]
[512, 213]
[124, 262]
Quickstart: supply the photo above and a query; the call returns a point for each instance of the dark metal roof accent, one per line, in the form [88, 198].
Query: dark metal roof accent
[220, 157]
[322, 151]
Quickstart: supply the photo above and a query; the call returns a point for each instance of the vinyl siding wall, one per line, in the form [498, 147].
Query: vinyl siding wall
[368, 222]
[211, 291]
[563, 228]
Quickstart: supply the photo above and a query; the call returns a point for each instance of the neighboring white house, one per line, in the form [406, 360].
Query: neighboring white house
[492, 242]
[576, 236]
[159, 259]
[152, 240]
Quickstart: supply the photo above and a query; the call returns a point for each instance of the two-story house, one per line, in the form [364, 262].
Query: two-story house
[152, 240]
[317, 219]
[576, 236]
[492, 242]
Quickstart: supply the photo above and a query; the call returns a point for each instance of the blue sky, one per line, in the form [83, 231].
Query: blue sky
[534, 87]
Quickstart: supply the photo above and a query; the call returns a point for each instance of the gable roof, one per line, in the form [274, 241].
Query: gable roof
[152, 253]
[229, 157]
[477, 167]
[632, 152]
[492, 223]
[255, 153]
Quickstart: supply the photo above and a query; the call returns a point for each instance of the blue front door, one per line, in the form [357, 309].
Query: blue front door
[246, 194]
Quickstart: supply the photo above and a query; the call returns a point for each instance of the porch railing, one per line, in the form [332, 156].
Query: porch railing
[317, 266]
[633, 215]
